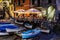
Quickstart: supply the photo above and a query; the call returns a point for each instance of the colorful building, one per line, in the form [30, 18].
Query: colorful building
[26, 4]
[9, 6]
[21, 4]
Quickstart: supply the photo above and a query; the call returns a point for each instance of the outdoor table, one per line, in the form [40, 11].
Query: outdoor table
[4, 33]
[29, 34]
[45, 31]
[17, 12]
[15, 30]
[19, 22]
[28, 25]
[3, 27]
[5, 23]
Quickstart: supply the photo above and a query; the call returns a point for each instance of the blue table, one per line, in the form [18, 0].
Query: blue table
[29, 34]
[9, 26]
[5, 23]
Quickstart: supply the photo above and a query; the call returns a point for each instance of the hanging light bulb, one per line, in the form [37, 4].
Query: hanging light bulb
[40, 14]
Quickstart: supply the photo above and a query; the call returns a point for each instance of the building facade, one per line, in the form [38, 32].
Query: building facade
[7, 5]
[26, 4]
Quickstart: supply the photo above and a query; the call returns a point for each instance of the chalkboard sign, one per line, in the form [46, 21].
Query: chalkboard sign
[2, 14]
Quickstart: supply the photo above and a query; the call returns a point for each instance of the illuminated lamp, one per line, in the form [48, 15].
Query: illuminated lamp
[40, 14]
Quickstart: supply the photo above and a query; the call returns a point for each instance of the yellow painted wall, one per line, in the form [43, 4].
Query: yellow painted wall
[0, 0]
[11, 7]
[7, 16]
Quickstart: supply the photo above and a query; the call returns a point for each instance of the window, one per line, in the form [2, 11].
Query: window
[33, 2]
[49, 1]
[38, 3]
[18, 2]
[23, 1]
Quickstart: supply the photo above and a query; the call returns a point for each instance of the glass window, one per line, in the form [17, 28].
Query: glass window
[49, 1]
[33, 2]
[38, 3]
[18, 2]
[23, 1]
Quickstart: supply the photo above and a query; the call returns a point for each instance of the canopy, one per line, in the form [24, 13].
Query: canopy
[42, 9]
[33, 10]
[20, 11]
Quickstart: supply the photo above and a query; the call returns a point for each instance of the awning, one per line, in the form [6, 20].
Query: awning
[20, 11]
[33, 10]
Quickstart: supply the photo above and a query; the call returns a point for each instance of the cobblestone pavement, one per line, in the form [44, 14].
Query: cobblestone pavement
[41, 37]
[6, 37]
